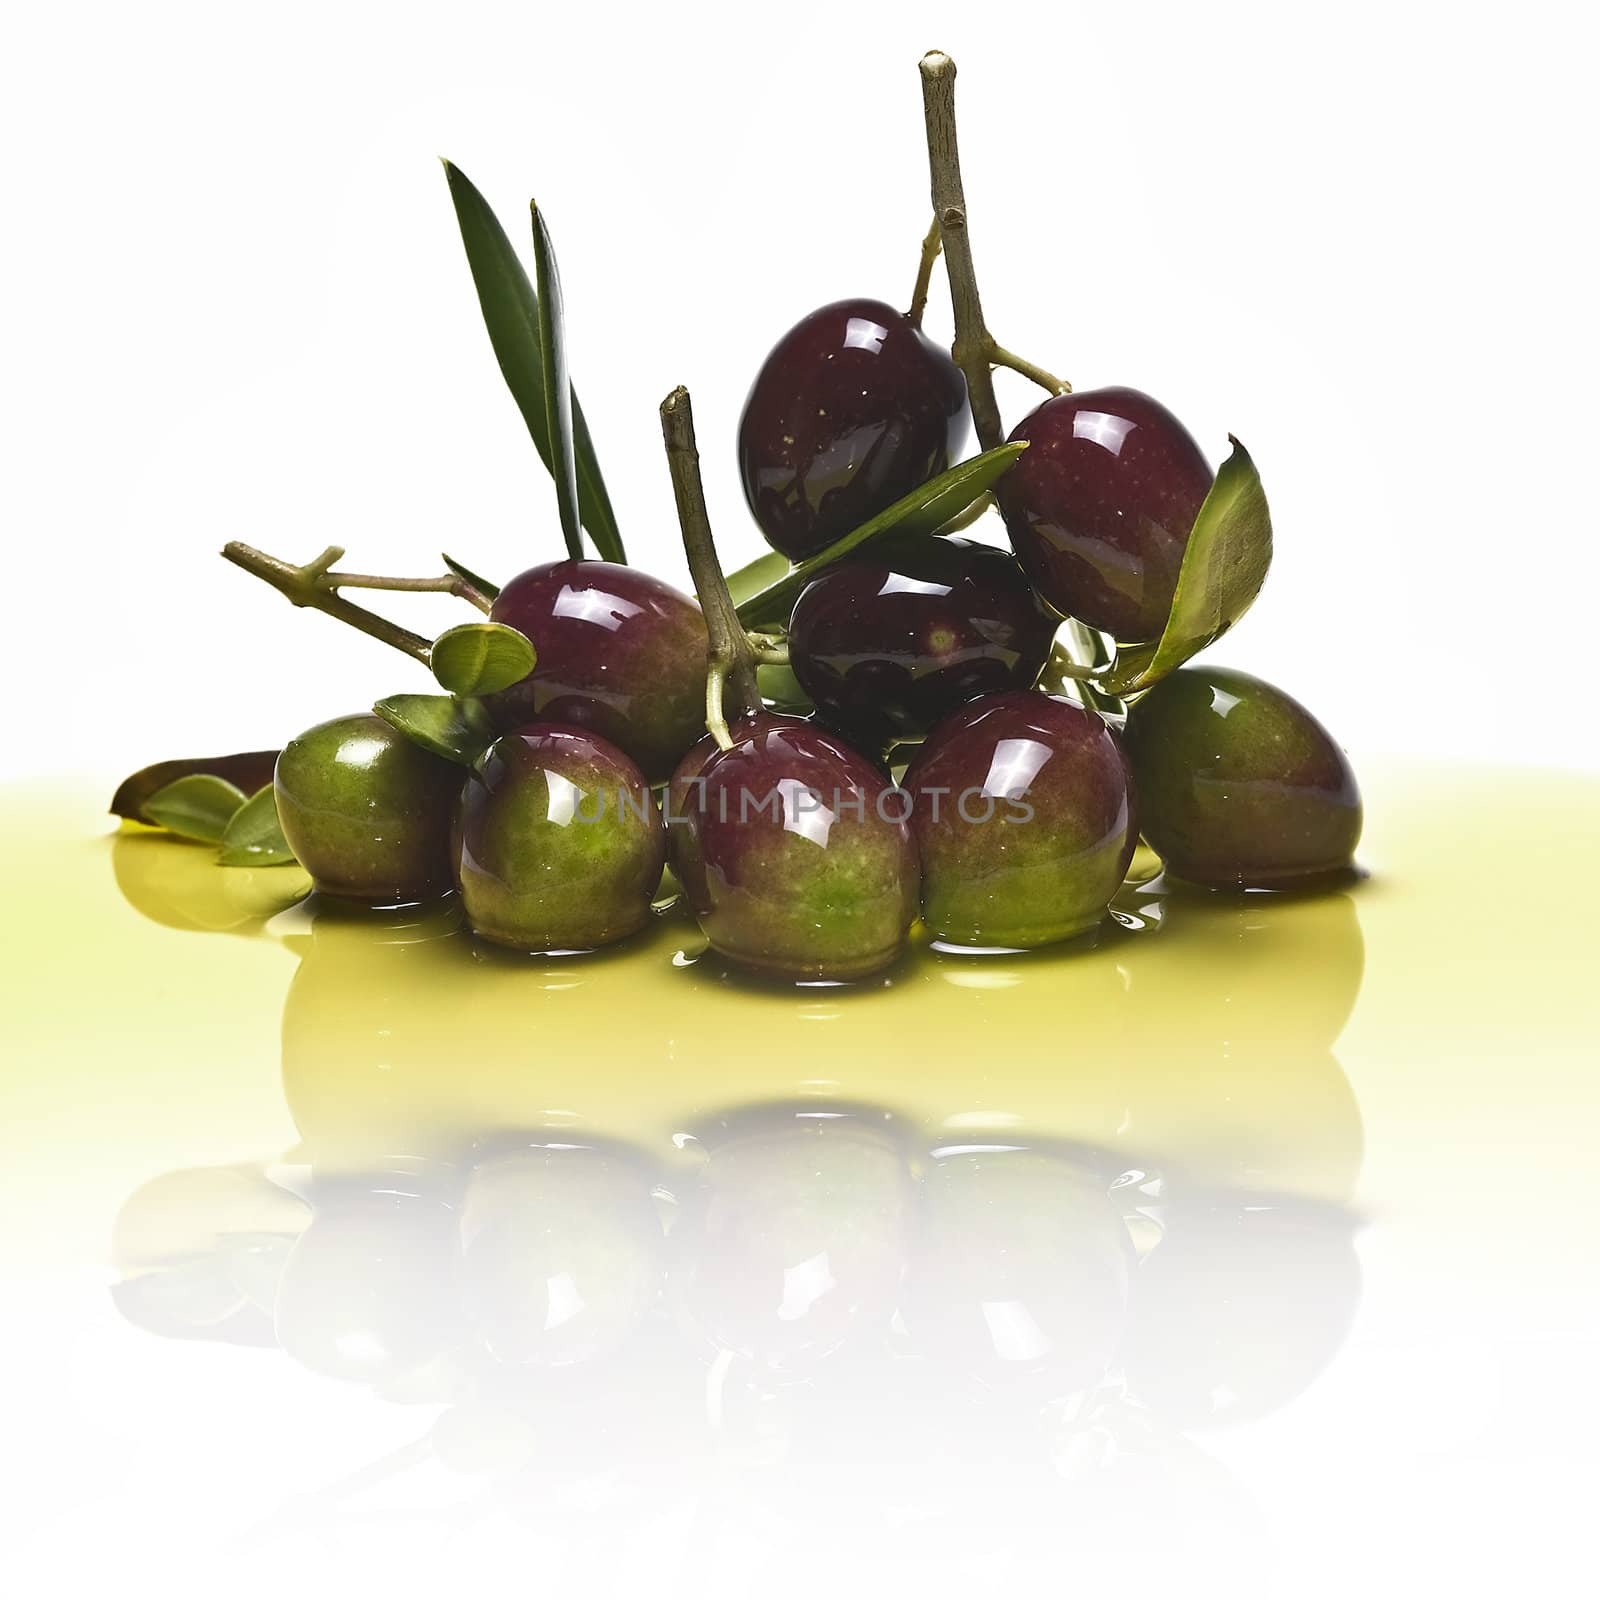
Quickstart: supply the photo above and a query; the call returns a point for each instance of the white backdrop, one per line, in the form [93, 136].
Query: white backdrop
[236, 306]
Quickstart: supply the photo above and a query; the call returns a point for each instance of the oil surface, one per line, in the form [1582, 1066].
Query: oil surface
[990, 1225]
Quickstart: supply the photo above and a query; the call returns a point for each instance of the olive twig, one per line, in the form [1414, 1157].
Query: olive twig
[770, 651]
[932, 244]
[975, 349]
[731, 662]
[1001, 357]
[1096, 655]
[449, 583]
[314, 585]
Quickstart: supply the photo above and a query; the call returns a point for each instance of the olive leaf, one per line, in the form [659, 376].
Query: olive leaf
[481, 657]
[557, 388]
[247, 770]
[781, 690]
[511, 313]
[924, 510]
[1224, 566]
[457, 730]
[254, 836]
[482, 585]
[759, 574]
[196, 807]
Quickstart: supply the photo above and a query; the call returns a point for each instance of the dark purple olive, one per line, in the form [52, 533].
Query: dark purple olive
[1101, 504]
[559, 843]
[1024, 821]
[1240, 787]
[620, 653]
[888, 642]
[853, 409]
[798, 860]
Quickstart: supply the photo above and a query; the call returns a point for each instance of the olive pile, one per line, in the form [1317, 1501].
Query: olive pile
[880, 721]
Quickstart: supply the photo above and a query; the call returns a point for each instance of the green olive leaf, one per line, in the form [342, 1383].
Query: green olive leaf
[197, 807]
[254, 836]
[780, 689]
[511, 313]
[924, 510]
[482, 585]
[457, 730]
[247, 770]
[481, 657]
[1224, 566]
[557, 388]
[760, 574]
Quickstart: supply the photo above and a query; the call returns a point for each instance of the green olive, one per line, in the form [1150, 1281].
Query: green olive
[1239, 786]
[367, 812]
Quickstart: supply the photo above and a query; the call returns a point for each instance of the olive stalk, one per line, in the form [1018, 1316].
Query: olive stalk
[932, 244]
[317, 584]
[975, 350]
[1001, 357]
[731, 659]
[770, 650]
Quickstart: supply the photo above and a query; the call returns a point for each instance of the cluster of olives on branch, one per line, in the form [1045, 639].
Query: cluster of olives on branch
[879, 722]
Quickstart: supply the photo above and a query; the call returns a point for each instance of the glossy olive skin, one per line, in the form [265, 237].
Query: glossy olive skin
[1024, 821]
[852, 409]
[367, 812]
[797, 861]
[1240, 787]
[1101, 504]
[684, 789]
[559, 844]
[620, 653]
[889, 642]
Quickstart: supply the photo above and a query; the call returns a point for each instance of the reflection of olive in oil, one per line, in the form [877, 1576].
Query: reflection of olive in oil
[409, 1037]
[370, 1049]
[795, 1240]
[1247, 969]
[1233, 1006]
[201, 1250]
[180, 885]
[1021, 1266]
[201, 1211]
[369, 1291]
[562, 1250]
[1239, 1307]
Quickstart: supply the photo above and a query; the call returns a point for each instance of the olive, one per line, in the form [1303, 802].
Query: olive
[1240, 787]
[367, 812]
[559, 843]
[620, 653]
[797, 858]
[887, 643]
[852, 409]
[1024, 821]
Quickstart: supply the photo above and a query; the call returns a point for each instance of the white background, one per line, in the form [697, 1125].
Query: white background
[236, 307]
